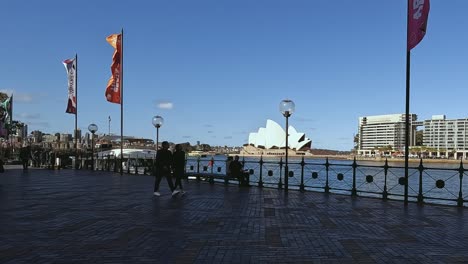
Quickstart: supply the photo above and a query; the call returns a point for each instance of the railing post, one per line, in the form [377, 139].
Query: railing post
[327, 165]
[354, 191]
[97, 162]
[108, 162]
[242, 175]
[280, 183]
[226, 178]
[128, 164]
[385, 193]
[136, 164]
[198, 168]
[460, 193]
[301, 186]
[420, 193]
[260, 181]
[185, 168]
[115, 163]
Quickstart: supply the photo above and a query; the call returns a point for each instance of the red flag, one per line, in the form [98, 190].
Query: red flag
[114, 84]
[418, 12]
[70, 66]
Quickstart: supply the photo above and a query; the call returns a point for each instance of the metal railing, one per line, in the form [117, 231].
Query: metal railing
[384, 180]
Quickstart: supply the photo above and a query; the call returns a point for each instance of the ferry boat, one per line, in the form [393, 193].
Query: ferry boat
[197, 153]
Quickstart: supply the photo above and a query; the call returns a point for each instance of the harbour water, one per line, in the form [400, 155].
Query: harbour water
[440, 183]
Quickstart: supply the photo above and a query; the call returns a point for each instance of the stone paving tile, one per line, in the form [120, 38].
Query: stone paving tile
[67, 216]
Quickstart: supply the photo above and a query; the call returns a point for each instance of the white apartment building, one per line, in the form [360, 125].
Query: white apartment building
[384, 130]
[446, 136]
[443, 137]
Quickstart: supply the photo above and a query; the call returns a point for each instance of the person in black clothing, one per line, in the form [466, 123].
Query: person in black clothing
[179, 167]
[237, 171]
[164, 168]
[25, 153]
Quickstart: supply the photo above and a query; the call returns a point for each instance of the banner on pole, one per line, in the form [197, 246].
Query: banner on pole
[70, 66]
[418, 13]
[113, 86]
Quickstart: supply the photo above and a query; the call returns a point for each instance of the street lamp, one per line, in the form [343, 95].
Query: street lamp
[92, 128]
[157, 123]
[286, 107]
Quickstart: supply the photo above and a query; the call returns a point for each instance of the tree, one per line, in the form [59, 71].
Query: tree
[419, 138]
[356, 141]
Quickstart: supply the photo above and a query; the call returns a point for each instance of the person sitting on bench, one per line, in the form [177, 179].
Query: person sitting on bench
[237, 171]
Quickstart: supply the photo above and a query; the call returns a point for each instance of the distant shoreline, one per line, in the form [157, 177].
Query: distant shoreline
[351, 157]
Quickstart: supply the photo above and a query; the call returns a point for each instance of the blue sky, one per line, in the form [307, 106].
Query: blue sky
[217, 70]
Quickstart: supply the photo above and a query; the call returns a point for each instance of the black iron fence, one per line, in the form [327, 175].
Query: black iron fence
[427, 183]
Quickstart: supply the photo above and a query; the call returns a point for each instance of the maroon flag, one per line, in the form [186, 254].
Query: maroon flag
[70, 66]
[114, 84]
[418, 12]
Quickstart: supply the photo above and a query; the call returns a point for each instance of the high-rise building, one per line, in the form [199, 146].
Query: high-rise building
[446, 135]
[77, 135]
[442, 137]
[384, 130]
[23, 131]
[37, 136]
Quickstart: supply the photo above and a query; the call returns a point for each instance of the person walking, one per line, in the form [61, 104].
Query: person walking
[25, 154]
[164, 168]
[179, 167]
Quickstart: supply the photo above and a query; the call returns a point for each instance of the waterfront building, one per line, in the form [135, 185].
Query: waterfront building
[65, 140]
[36, 136]
[49, 141]
[446, 137]
[442, 137]
[384, 131]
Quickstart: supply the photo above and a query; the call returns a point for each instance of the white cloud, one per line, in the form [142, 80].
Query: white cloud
[304, 119]
[164, 105]
[29, 116]
[39, 124]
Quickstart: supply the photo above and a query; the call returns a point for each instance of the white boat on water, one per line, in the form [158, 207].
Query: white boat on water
[128, 153]
[131, 158]
[197, 153]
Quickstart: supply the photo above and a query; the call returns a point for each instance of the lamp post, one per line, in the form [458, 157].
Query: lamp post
[92, 128]
[287, 107]
[157, 123]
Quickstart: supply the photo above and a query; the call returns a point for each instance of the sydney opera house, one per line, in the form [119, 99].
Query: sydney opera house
[271, 141]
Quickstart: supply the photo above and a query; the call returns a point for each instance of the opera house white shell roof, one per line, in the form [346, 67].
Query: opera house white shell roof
[273, 136]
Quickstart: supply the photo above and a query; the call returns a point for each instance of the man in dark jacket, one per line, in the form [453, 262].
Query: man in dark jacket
[179, 167]
[164, 168]
[25, 153]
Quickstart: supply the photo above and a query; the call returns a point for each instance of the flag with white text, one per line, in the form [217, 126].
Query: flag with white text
[70, 66]
[418, 13]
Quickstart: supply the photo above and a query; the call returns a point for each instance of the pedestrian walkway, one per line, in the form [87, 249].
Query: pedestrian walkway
[68, 216]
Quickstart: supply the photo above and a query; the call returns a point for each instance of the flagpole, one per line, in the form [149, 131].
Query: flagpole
[407, 123]
[76, 112]
[407, 104]
[121, 101]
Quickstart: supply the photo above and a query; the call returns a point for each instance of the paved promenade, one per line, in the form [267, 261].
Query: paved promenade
[72, 216]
